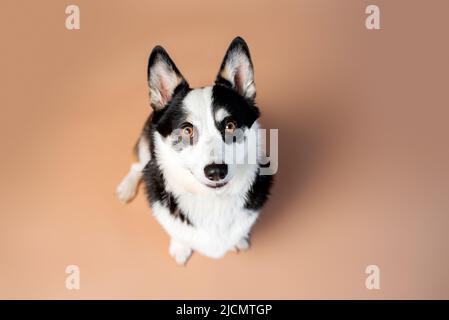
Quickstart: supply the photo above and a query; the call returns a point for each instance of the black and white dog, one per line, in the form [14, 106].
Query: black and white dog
[204, 199]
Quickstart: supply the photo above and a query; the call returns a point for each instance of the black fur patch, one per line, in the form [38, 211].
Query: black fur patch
[242, 110]
[155, 184]
[258, 194]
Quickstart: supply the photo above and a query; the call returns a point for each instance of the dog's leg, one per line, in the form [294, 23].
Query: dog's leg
[126, 190]
[180, 252]
[243, 244]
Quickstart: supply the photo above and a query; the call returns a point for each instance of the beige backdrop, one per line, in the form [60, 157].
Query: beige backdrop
[363, 127]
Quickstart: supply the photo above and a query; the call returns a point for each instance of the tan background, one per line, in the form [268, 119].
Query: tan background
[363, 125]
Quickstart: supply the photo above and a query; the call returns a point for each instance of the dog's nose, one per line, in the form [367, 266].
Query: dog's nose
[216, 172]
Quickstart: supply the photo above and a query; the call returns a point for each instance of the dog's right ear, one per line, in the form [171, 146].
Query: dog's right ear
[237, 70]
[163, 78]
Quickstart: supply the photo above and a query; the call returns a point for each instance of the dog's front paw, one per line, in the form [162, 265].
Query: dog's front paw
[179, 252]
[242, 245]
[126, 190]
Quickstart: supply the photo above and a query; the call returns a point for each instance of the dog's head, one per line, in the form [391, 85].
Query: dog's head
[202, 136]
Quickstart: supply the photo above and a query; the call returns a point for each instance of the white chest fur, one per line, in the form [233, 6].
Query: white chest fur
[219, 222]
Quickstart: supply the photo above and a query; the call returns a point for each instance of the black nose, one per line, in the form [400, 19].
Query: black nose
[216, 172]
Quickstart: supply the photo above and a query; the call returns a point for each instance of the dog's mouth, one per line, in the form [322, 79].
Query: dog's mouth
[217, 185]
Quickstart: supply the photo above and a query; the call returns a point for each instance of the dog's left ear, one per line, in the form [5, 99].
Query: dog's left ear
[163, 78]
[236, 70]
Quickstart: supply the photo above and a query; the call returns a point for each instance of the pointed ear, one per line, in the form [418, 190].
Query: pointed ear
[236, 70]
[163, 78]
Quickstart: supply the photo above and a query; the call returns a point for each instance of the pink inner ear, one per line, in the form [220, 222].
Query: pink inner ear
[165, 94]
[238, 81]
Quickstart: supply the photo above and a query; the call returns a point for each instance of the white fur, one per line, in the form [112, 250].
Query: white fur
[219, 226]
[179, 251]
[221, 114]
[127, 188]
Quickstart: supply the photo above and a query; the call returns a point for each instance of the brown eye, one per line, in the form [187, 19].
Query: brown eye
[187, 131]
[230, 126]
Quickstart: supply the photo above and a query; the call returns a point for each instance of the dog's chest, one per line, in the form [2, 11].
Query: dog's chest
[222, 219]
[212, 212]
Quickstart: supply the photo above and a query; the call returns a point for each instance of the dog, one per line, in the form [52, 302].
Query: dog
[205, 201]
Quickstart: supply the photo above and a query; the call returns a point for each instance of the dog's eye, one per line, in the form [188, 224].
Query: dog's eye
[187, 131]
[230, 126]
